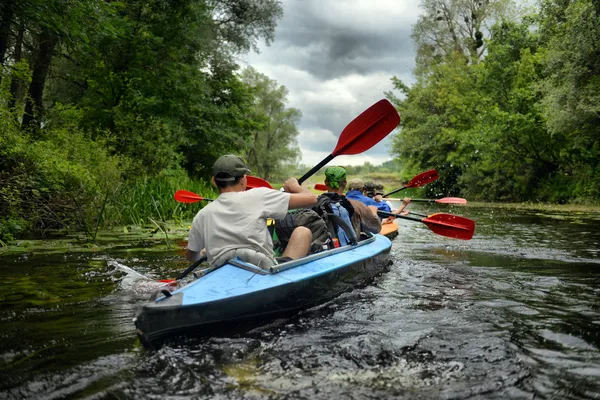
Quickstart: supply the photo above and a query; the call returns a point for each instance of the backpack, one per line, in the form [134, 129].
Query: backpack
[303, 217]
[329, 218]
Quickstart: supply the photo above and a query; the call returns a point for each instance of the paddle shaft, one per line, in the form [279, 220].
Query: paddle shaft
[388, 214]
[190, 268]
[445, 200]
[316, 168]
[395, 191]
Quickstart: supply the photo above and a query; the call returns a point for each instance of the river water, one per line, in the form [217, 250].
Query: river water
[513, 313]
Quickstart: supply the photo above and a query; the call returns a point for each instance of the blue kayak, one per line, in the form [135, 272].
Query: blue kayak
[239, 291]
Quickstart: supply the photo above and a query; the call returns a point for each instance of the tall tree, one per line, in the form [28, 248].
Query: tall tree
[446, 27]
[273, 141]
[571, 90]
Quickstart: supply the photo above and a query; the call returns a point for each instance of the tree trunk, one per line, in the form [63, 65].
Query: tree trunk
[5, 20]
[14, 84]
[34, 108]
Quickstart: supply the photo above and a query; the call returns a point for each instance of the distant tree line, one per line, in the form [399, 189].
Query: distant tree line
[507, 101]
[97, 96]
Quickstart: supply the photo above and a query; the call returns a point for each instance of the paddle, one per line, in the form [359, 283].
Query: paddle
[321, 187]
[184, 196]
[190, 268]
[447, 225]
[445, 200]
[364, 132]
[254, 182]
[419, 180]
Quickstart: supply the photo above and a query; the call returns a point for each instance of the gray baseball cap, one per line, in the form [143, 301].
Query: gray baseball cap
[229, 167]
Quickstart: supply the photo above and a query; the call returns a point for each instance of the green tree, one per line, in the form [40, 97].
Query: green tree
[571, 89]
[273, 141]
[446, 27]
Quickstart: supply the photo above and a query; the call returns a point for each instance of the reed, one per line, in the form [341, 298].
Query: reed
[145, 200]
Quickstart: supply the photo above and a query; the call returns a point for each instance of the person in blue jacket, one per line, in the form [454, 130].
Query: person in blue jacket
[356, 191]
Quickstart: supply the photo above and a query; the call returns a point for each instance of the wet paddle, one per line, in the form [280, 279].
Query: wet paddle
[447, 225]
[445, 200]
[364, 132]
[254, 182]
[419, 180]
[184, 196]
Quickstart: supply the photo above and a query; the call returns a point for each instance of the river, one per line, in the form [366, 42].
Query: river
[513, 313]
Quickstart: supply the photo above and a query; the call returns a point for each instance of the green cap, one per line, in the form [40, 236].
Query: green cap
[229, 167]
[335, 175]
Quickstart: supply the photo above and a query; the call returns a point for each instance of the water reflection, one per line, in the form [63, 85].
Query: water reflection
[513, 313]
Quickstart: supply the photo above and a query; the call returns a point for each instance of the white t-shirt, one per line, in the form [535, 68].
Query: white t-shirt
[238, 220]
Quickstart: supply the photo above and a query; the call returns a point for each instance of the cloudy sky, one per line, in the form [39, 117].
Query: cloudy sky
[336, 58]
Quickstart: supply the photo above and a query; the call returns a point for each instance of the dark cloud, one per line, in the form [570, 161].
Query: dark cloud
[336, 58]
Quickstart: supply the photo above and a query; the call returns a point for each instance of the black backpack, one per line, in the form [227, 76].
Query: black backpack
[320, 219]
[303, 217]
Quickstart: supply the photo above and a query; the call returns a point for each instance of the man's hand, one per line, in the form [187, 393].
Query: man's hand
[378, 198]
[291, 185]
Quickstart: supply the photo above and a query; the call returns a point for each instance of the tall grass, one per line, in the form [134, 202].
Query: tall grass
[148, 200]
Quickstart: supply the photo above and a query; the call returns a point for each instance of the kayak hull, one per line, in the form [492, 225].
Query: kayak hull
[232, 294]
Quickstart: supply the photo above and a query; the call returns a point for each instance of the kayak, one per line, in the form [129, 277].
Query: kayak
[389, 230]
[240, 291]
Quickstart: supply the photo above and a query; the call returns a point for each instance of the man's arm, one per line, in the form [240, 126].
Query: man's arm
[299, 197]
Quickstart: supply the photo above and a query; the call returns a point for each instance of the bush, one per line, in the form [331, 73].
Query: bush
[56, 182]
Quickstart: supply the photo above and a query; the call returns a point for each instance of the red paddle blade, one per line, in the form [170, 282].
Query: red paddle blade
[254, 182]
[321, 187]
[450, 225]
[184, 196]
[452, 200]
[423, 179]
[366, 130]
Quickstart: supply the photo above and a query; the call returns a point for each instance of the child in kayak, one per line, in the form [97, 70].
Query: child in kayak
[235, 224]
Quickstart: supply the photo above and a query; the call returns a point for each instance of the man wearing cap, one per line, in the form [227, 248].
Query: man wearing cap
[363, 218]
[235, 224]
[356, 189]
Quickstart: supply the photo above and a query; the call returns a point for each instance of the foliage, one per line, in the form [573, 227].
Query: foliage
[146, 199]
[104, 100]
[520, 124]
[449, 28]
[272, 143]
[56, 182]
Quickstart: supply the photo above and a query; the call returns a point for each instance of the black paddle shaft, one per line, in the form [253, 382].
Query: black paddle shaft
[384, 214]
[315, 168]
[191, 268]
[394, 191]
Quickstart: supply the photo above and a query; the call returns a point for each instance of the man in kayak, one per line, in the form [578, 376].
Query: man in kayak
[361, 217]
[357, 190]
[235, 224]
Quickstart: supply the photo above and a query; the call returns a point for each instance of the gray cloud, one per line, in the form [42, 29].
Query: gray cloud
[336, 57]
